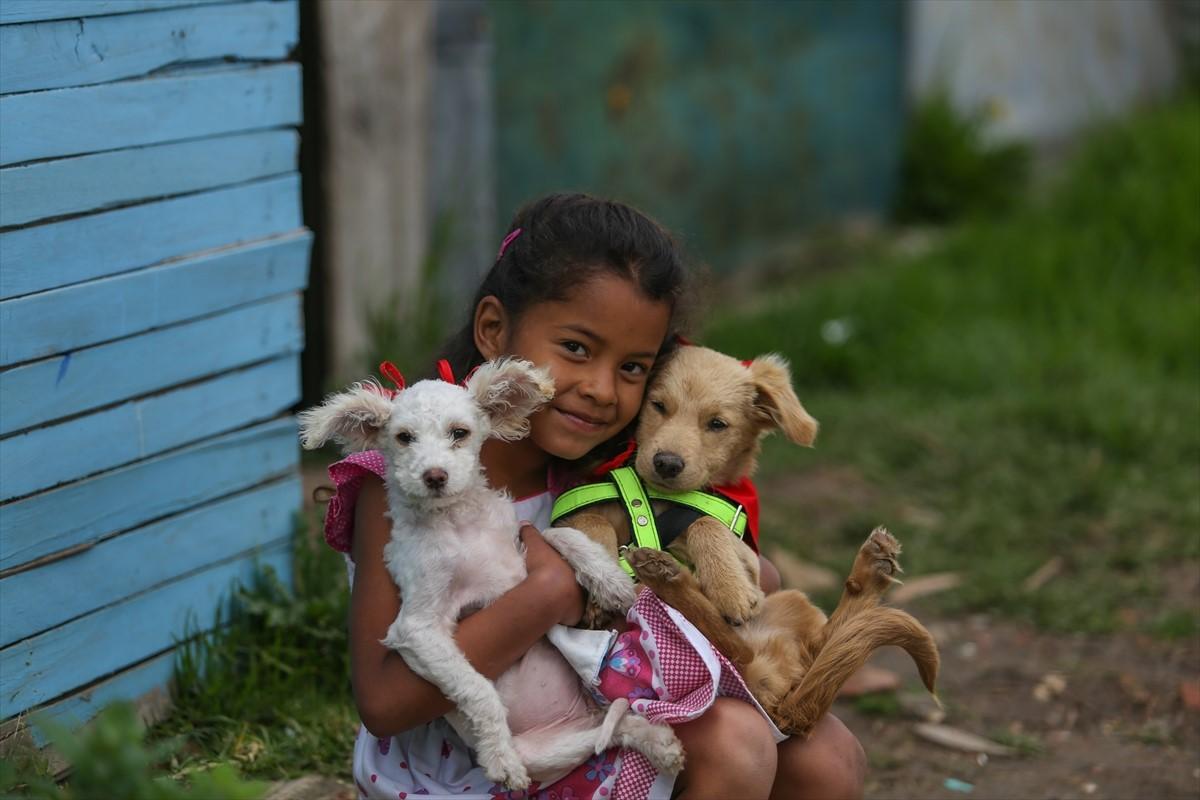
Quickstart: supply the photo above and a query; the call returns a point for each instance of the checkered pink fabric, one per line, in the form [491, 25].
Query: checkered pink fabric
[347, 475]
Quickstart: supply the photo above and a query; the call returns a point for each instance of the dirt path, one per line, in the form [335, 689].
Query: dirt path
[1092, 717]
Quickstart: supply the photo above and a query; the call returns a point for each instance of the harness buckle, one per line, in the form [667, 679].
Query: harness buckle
[733, 522]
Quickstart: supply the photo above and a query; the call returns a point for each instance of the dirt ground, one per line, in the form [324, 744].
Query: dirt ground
[1090, 717]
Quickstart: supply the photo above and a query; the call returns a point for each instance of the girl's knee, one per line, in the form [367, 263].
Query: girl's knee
[829, 765]
[729, 752]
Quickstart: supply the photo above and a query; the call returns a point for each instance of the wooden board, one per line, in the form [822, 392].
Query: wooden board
[31, 10]
[145, 684]
[63, 320]
[151, 110]
[46, 457]
[62, 253]
[53, 663]
[99, 376]
[33, 56]
[87, 511]
[35, 191]
[39, 599]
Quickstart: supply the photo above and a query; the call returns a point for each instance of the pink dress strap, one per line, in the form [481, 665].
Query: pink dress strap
[347, 476]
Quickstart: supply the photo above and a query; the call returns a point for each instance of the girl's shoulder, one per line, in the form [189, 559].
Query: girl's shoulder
[347, 476]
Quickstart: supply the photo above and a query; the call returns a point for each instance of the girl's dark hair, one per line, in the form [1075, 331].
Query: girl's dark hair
[565, 240]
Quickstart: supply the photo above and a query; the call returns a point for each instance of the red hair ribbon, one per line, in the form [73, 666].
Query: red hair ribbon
[444, 371]
[388, 370]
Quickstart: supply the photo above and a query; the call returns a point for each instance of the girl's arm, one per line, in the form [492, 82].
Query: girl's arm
[389, 696]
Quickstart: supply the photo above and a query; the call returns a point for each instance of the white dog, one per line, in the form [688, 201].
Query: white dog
[454, 548]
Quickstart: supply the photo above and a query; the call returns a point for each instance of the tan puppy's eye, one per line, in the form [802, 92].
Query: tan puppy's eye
[658, 406]
[405, 438]
[717, 424]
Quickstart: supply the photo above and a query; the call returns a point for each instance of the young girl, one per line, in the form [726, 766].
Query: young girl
[590, 290]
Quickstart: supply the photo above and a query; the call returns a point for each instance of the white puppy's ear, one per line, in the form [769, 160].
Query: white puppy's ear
[353, 418]
[509, 390]
[776, 402]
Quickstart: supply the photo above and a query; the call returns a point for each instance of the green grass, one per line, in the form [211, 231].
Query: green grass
[1029, 388]
[270, 691]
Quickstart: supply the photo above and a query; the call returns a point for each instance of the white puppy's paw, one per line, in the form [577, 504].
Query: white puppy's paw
[658, 743]
[503, 765]
[595, 569]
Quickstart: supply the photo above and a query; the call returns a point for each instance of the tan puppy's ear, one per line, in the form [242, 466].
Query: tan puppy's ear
[776, 401]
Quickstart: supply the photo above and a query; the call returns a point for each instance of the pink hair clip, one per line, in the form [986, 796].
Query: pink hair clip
[507, 241]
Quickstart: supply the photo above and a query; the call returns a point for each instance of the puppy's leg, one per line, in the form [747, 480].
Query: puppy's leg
[677, 587]
[874, 571]
[595, 569]
[713, 550]
[600, 530]
[658, 743]
[431, 652]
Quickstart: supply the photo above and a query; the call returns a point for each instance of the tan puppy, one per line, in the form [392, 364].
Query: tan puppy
[705, 416]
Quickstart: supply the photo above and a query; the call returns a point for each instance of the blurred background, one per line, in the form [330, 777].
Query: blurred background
[972, 226]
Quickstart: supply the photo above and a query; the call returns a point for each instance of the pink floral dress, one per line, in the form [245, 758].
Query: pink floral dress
[665, 667]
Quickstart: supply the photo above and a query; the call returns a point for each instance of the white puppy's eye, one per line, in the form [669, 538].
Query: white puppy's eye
[717, 424]
[404, 437]
[458, 434]
[658, 406]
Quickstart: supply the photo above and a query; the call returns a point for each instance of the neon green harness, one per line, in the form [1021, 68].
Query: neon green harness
[623, 484]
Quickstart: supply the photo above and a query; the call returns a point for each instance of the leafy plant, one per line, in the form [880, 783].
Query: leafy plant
[109, 758]
[948, 169]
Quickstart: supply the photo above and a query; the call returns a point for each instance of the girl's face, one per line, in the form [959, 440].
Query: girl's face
[599, 345]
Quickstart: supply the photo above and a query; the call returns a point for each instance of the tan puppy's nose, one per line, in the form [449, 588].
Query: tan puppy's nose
[668, 465]
[435, 479]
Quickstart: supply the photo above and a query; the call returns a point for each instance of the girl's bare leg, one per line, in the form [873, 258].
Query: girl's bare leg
[829, 765]
[730, 753]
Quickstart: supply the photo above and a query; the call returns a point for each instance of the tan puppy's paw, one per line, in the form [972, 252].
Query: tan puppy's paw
[877, 563]
[738, 600]
[653, 567]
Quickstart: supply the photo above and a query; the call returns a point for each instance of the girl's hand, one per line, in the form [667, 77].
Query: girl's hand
[554, 575]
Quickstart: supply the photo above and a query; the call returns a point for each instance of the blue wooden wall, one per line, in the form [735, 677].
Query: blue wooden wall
[152, 256]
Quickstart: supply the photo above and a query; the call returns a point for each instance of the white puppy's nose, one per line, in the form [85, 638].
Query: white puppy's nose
[435, 478]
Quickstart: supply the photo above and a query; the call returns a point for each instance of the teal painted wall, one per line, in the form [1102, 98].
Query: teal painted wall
[735, 123]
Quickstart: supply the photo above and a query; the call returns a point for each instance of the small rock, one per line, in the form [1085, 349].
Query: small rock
[869, 680]
[967, 650]
[1189, 692]
[1089, 788]
[1051, 685]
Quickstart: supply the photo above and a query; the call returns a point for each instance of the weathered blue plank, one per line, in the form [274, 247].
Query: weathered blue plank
[52, 663]
[78, 52]
[76, 316]
[98, 376]
[75, 250]
[39, 599]
[147, 111]
[84, 512]
[132, 684]
[40, 190]
[32, 10]
[45, 457]
[146, 680]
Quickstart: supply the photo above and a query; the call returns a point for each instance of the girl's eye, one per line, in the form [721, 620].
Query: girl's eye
[717, 424]
[574, 348]
[634, 368]
[404, 437]
[658, 406]
[458, 434]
